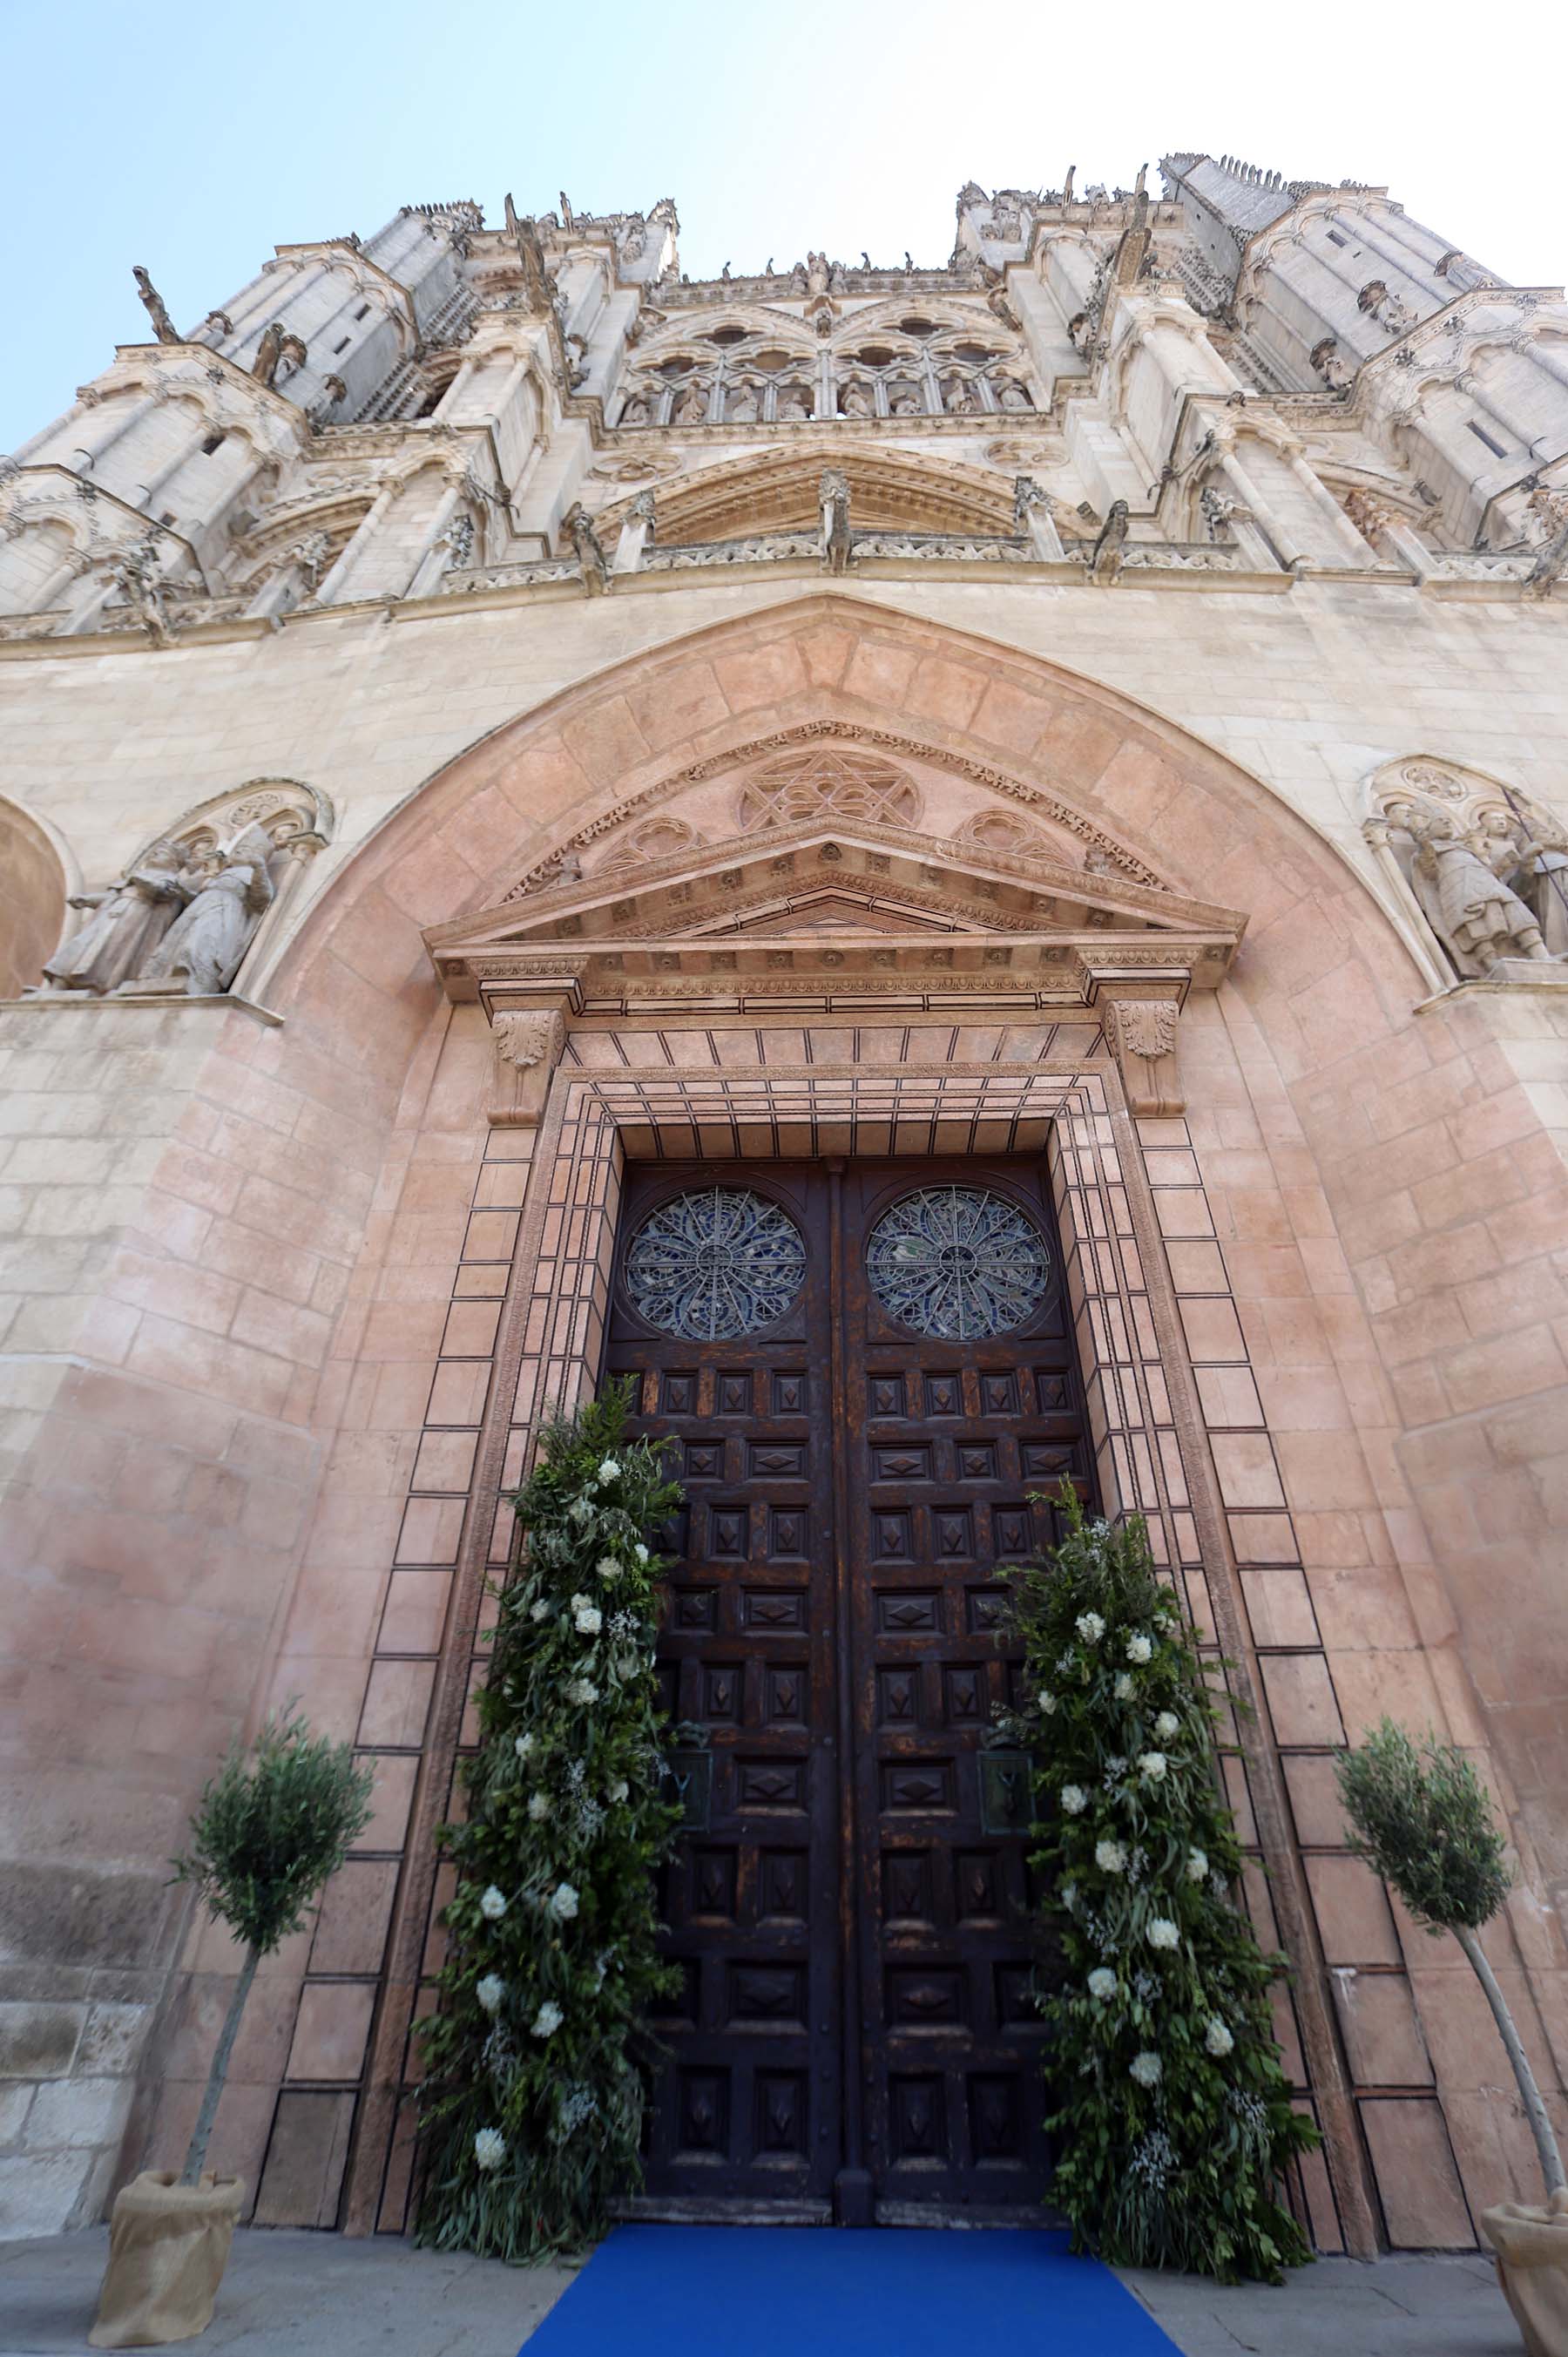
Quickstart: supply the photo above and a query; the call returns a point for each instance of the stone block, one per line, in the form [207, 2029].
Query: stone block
[304, 2169]
[38, 2041]
[78, 2112]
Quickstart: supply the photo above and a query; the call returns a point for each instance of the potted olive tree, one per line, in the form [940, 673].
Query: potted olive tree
[1422, 1818]
[264, 1840]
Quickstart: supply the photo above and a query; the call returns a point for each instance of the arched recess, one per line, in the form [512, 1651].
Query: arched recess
[834, 663]
[781, 491]
[1301, 1061]
[34, 883]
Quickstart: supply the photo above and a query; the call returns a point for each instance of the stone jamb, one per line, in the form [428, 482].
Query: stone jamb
[1151, 1441]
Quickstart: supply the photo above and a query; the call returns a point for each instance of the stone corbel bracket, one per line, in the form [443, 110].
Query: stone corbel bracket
[1138, 1019]
[527, 1046]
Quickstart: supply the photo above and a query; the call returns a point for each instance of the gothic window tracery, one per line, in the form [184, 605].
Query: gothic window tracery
[813, 783]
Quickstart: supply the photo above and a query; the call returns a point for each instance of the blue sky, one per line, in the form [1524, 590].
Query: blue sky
[195, 138]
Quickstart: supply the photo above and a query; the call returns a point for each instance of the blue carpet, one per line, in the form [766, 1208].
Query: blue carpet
[804, 2291]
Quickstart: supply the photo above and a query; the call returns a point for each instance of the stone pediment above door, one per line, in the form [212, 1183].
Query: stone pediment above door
[820, 896]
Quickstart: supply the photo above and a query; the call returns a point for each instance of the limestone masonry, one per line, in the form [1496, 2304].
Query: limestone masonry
[480, 712]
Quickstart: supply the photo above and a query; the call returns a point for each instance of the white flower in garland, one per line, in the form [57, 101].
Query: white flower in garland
[582, 1510]
[1090, 1628]
[610, 1470]
[1068, 1895]
[1152, 1767]
[540, 1608]
[490, 1992]
[640, 1552]
[547, 2021]
[524, 1746]
[489, 2149]
[1146, 2068]
[582, 1690]
[618, 1790]
[1163, 1933]
[1074, 1800]
[1198, 1866]
[539, 1807]
[1140, 1648]
[1217, 2039]
[1167, 1726]
[1102, 1982]
[1111, 1857]
[587, 1618]
[564, 1902]
[609, 1570]
[492, 1904]
[1123, 1686]
[1048, 1703]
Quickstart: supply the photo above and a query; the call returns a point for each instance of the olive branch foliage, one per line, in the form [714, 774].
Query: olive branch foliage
[536, 2064]
[267, 1834]
[1173, 2120]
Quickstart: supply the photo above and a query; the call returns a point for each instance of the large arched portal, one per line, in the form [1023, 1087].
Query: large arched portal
[831, 884]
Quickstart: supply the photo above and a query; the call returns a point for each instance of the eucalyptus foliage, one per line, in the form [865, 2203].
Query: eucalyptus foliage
[1173, 2121]
[266, 1836]
[532, 2103]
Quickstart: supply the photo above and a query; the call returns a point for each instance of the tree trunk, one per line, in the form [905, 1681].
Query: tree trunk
[191, 2173]
[1535, 2109]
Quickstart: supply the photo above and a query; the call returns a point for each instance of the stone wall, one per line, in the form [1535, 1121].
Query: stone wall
[255, 1275]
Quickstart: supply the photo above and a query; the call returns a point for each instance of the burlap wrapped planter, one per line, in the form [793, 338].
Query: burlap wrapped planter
[1531, 2246]
[168, 2245]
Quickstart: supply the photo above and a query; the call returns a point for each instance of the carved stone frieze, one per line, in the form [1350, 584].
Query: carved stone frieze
[1123, 862]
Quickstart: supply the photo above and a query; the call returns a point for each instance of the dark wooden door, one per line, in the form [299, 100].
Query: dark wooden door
[855, 2036]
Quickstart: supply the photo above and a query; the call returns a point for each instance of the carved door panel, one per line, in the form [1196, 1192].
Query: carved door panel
[747, 2106]
[960, 1402]
[862, 1373]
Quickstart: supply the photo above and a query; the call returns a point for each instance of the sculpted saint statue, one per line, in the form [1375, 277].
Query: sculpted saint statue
[1534, 863]
[128, 921]
[1478, 916]
[200, 952]
[818, 275]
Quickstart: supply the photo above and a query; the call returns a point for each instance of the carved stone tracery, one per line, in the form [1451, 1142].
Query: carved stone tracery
[814, 784]
[563, 863]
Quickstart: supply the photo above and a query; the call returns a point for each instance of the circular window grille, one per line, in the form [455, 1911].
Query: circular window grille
[714, 1263]
[958, 1263]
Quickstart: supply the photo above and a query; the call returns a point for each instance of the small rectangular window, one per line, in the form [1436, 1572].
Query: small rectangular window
[362, 310]
[1495, 447]
[341, 347]
[1335, 238]
[213, 442]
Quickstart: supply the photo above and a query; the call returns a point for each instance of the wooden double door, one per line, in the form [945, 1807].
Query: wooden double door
[862, 1373]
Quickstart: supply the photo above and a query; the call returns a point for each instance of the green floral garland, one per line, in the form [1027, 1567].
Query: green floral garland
[1174, 2119]
[531, 2106]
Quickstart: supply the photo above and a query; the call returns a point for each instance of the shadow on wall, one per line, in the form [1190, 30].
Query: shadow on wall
[33, 888]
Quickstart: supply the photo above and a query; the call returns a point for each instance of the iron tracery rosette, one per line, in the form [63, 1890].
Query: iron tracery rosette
[960, 1263]
[715, 1263]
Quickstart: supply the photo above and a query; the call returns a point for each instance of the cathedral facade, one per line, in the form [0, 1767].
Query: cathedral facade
[962, 870]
